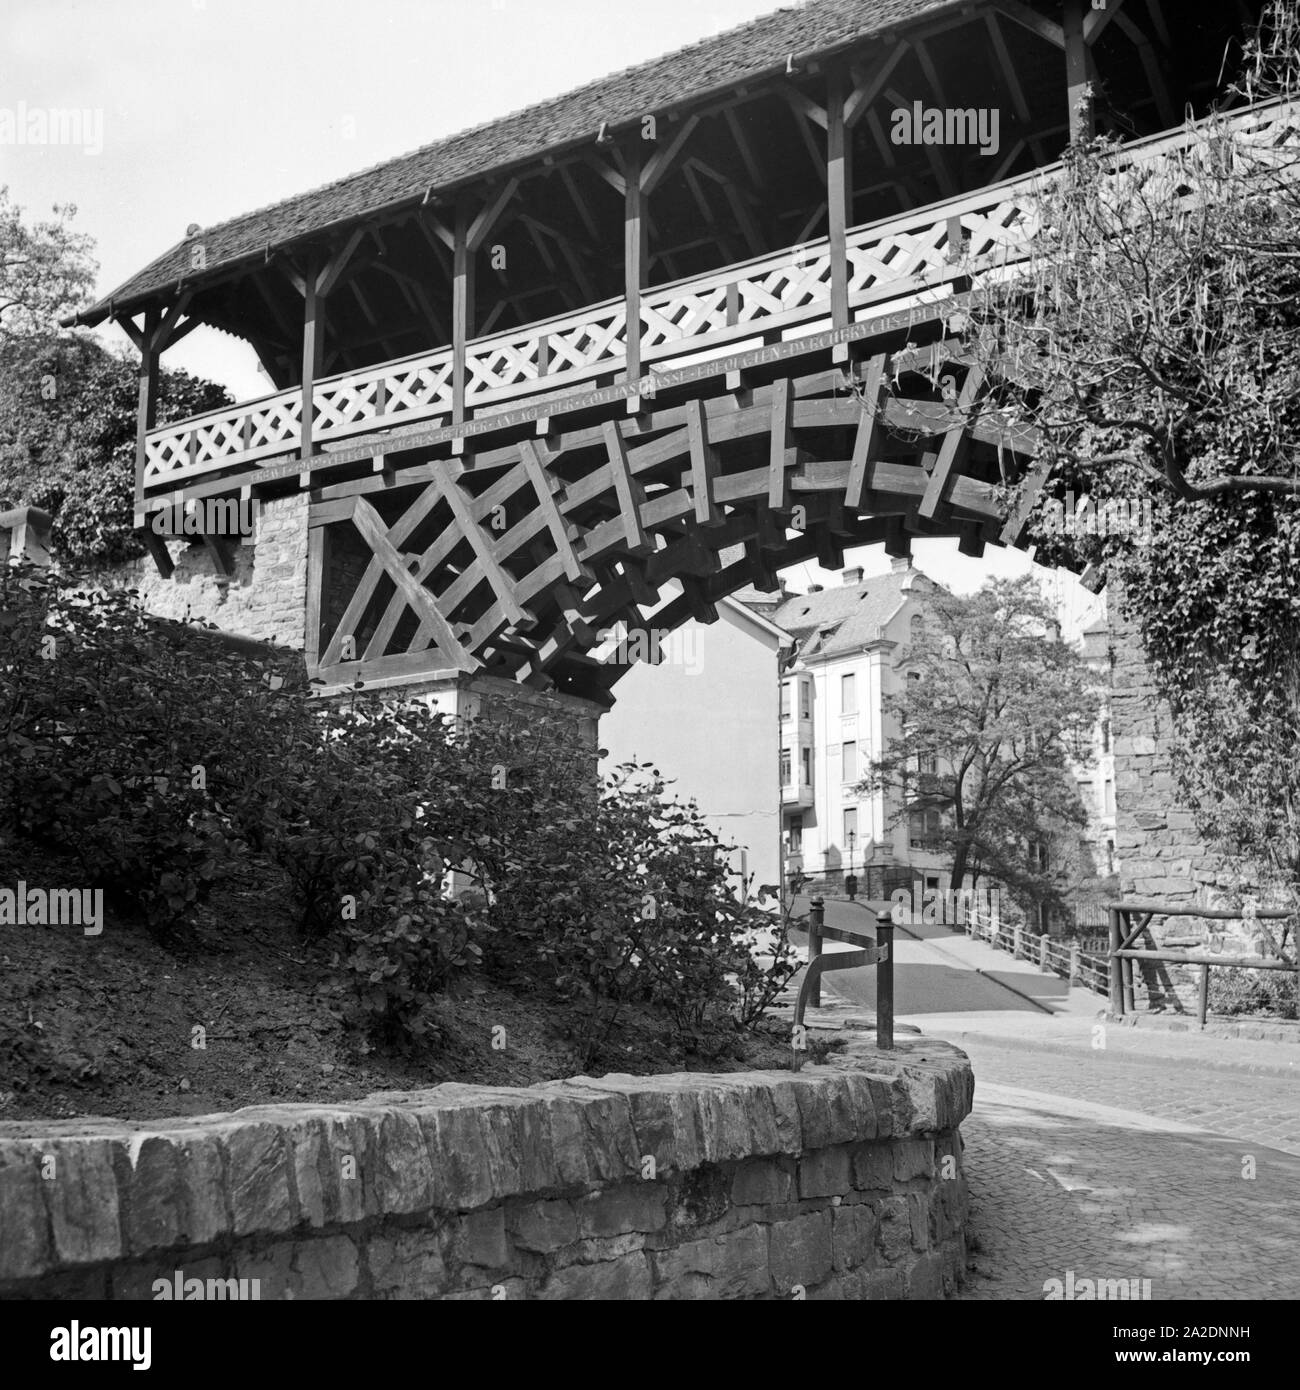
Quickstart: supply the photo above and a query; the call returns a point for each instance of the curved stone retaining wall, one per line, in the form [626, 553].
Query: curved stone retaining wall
[841, 1181]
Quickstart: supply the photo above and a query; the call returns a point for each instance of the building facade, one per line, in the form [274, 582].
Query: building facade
[852, 641]
[705, 715]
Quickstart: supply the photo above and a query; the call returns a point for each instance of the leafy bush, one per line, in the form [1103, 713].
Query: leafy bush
[1254, 992]
[428, 857]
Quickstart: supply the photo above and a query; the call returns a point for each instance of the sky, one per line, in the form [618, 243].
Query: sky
[200, 110]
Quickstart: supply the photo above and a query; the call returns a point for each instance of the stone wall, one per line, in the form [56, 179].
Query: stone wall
[1160, 855]
[840, 1181]
[266, 596]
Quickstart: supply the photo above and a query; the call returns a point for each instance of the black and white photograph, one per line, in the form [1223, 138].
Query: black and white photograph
[649, 652]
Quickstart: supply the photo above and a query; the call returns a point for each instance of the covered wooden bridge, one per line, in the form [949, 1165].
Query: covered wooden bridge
[695, 321]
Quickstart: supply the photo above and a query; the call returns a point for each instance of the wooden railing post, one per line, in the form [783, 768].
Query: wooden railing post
[1074, 962]
[816, 920]
[1042, 951]
[1116, 980]
[839, 192]
[462, 310]
[885, 983]
[313, 348]
[636, 246]
[1203, 1001]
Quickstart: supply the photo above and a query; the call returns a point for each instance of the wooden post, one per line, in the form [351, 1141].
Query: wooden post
[885, 983]
[1017, 934]
[839, 193]
[147, 408]
[1074, 962]
[1203, 1002]
[1042, 951]
[816, 920]
[462, 310]
[636, 248]
[313, 344]
[1116, 983]
[1126, 971]
[1077, 72]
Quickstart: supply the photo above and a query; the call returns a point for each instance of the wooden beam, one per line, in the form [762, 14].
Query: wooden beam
[1097, 20]
[318, 564]
[1033, 21]
[628, 491]
[955, 440]
[635, 256]
[752, 168]
[501, 582]
[839, 193]
[804, 104]
[704, 463]
[330, 275]
[157, 548]
[1078, 94]
[869, 83]
[481, 227]
[1151, 66]
[462, 310]
[369, 523]
[805, 133]
[543, 486]
[656, 168]
[313, 343]
[147, 396]
[858, 492]
[216, 546]
[782, 420]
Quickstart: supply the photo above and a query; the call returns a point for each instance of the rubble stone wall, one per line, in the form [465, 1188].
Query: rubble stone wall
[840, 1181]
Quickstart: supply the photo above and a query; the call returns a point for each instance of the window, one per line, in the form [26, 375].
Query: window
[785, 699]
[850, 825]
[848, 695]
[796, 834]
[923, 828]
[850, 773]
[805, 699]
[1110, 797]
[805, 759]
[785, 767]
[1105, 735]
[927, 765]
[1110, 856]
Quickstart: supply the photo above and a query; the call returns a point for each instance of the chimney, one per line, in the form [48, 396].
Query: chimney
[853, 576]
[900, 562]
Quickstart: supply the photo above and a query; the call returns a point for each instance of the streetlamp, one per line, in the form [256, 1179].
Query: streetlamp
[850, 879]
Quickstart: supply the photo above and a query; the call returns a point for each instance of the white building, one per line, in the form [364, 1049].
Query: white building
[833, 723]
[706, 717]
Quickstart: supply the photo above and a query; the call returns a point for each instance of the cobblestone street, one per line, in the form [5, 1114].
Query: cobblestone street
[1169, 1157]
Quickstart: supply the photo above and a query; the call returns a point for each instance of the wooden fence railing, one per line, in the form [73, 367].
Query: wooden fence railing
[1064, 958]
[890, 260]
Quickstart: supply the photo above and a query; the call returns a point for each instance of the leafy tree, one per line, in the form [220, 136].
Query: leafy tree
[45, 270]
[993, 708]
[68, 404]
[1153, 338]
[67, 439]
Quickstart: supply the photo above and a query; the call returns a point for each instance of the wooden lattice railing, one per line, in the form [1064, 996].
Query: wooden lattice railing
[887, 261]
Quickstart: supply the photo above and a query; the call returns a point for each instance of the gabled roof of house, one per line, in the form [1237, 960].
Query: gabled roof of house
[745, 53]
[840, 620]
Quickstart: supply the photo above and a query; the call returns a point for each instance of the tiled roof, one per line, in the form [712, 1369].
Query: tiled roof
[723, 60]
[846, 619]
